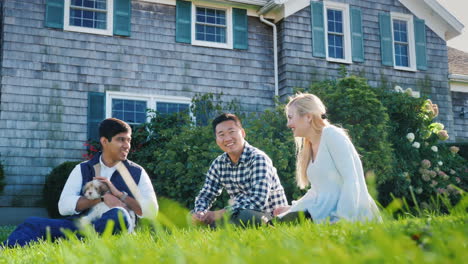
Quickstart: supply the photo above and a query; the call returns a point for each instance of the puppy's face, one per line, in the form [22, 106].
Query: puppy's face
[94, 189]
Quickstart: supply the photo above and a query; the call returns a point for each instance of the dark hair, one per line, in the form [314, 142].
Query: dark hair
[110, 127]
[225, 117]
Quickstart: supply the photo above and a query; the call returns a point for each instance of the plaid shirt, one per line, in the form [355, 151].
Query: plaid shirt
[252, 183]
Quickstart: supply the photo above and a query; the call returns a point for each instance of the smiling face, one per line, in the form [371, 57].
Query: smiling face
[230, 138]
[300, 125]
[117, 149]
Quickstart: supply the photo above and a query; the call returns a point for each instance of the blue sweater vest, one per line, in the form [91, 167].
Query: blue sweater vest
[87, 172]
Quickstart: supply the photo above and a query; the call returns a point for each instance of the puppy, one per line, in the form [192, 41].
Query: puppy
[92, 190]
[95, 189]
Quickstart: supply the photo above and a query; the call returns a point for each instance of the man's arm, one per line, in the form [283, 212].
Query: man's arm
[211, 189]
[71, 202]
[149, 204]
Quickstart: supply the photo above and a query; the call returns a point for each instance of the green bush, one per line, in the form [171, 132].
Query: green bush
[354, 105]
[54, 185]
[268, 132]
[422, 167]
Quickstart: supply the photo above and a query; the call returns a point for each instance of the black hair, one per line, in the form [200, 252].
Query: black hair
[225, 117]
[110, 127]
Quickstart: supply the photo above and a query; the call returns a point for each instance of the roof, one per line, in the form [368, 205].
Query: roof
[458, 61]
[436, 17]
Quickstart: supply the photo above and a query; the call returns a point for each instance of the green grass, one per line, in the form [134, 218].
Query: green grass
[430, 239]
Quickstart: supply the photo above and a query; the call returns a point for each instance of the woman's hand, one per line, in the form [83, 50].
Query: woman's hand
[280, 210]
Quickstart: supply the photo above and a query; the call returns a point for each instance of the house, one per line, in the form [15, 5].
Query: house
[67, 64]
[458, 78]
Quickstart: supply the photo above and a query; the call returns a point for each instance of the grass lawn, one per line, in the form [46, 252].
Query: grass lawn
[429, 239]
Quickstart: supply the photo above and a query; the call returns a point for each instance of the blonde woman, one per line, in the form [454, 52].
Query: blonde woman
[328, 161]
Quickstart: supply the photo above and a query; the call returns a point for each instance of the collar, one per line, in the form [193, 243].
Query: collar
[246, 153]
[104, 166]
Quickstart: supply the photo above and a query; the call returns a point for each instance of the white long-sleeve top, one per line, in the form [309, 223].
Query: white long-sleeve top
[338, 188]
[71, 190]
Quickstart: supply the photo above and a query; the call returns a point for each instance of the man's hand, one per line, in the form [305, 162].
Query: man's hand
[207, 218]
[111, 186]
[112, 201]
[198, 218]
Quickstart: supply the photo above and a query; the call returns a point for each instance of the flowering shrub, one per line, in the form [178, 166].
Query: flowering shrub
[92, 147]
[422, 164]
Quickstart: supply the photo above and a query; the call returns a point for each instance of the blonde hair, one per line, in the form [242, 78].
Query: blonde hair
[306, 103]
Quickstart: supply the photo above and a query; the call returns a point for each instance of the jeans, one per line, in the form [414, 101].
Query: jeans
[36, 228]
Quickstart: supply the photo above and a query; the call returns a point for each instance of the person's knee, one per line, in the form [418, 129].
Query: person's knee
[119, 216]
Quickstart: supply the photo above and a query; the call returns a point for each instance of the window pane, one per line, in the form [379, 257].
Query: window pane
[334, 21]
[335, 46]
[168, 108]
[131, 111]
[401, 55]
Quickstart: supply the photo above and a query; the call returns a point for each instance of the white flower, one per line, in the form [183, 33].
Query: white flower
[409, 91]
[398, 89]
[434, 148]
[440, 163]
[419, 190]
[416, 145]
[410, 137]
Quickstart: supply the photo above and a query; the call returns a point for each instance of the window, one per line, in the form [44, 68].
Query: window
[337, 28]
[211, 26]
[104, 17]
[403, 42]
[92, 16]
[132, 108]
[400, 35]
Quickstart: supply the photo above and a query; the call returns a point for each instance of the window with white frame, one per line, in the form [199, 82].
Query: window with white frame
[211, 26]
[337, 28]
[132, 108]
[404, 57]
[91, 16]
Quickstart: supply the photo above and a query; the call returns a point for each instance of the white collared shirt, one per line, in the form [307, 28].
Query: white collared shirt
[71, 190]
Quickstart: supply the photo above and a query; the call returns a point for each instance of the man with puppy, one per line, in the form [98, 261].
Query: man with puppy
[248, 175]
[130, 191]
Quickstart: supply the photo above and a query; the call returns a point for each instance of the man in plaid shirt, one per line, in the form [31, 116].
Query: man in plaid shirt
[246, 172]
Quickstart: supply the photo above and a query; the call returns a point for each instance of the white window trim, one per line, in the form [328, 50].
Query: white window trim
[411, 42]
[229, 29]
[151, 100]
[110, 21]
[346, 31]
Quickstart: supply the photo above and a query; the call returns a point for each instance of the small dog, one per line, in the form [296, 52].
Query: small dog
[95, 189]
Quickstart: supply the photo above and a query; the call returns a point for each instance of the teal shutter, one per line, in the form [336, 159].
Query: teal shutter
[420, 41]
[183, 21]
[357, 43]
[386, 41]
[54, 13]
[96, 113]
[318, 32]
[240, 28]
[122, 15]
